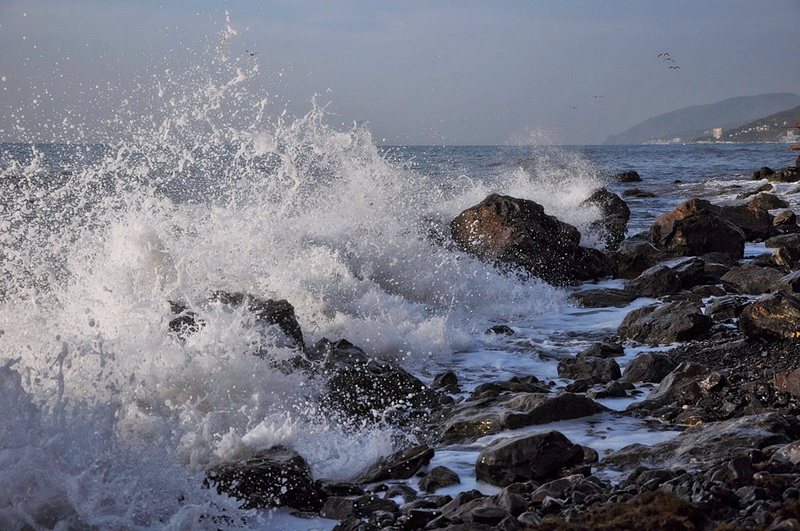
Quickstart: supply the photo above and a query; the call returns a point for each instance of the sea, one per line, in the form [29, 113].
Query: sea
[108, 420]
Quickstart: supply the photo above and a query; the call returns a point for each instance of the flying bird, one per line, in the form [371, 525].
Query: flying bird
[251, 53]
[674, 68]
[665, 54]
[598, 96]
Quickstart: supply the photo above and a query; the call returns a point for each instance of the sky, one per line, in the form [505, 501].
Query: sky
[415, 72]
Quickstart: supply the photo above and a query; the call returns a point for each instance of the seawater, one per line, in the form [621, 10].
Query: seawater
[108, 419]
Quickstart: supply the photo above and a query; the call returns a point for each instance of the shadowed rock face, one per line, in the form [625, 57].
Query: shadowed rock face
[695, 228]
[516, 232]
[774, 316]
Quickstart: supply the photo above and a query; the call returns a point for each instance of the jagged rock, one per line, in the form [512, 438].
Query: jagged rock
[472, 419]
[789, 174]
[709, 443]
[750, 279]
[438, 478]
[767, 201]
[516, 232]
[787, 217]
[526, 457]
[517, 384]
[400, 465]
[766, 187]
[649, 367]
[366, 388]
[696, 228]
[615, 216]
[446, 381]
[635, 255]
[790, 282]
[637, 192]
[598, 370]
[277, 477]
[754, 222]
[773, 316]
[666, 323]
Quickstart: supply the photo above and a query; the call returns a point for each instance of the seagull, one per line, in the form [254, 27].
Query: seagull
[668, 59]
[251, 53]
[674, 68]
[665, 54]
[572, 107]
[598, 96]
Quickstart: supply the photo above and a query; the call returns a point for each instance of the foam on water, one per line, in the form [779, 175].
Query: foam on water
[108, 418]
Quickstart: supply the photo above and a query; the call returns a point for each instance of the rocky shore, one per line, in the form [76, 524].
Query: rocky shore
[727, 377]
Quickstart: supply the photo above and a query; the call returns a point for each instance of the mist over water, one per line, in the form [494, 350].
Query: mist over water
[109, 418]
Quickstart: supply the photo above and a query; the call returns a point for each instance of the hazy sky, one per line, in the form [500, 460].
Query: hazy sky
[418, 72]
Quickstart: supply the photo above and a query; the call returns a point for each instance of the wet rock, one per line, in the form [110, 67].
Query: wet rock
[695, 228]
[726, 308]
[763, 173]
[649, 367]
[501, 330]
[526, 457]
[635, 255]
[767, 201]
[637, 192]
[714, 442]
[789, 174]
[666, 323]
[475, 418]
[517, 384]
[655, 282]
[629, 176]
[603, 349]
[615, 216]
[784, 240]
[267, 312]
[370, 389]
[750, 279]
[766, 187]
[446, 381]
[774, 316]
[787, 217]
[604, 297]
[438, 478]
[681, 386]
[598, 370]
[755, 222]
[516, 232]
[277, 477]
[400, 465]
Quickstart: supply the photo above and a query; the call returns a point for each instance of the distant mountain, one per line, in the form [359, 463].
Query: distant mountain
[778, 127]
[696, 121]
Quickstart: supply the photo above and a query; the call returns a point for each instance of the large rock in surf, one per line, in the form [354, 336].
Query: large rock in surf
[774, 316]
[472, 419]
[277, 477]
[635, 255]
[615, 216]
[751, 279]
[695, 228]
[664, 324]
[753, 220]
[526, 457]
[516, 232]
[400, 465]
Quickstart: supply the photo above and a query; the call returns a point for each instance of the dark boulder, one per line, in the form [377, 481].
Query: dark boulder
[680, 387]
[526, 457]
[655, 282]
[603, 297]
[774, 316]
[472, 419]
[369, 389]
[767, 201]
[751, 279]
[277, 477]
[603, 349]
[789, 174]
[649, 367]
[696, 228]
[615, 216]
[754, 222]
[663, 324]
[267, 312]
[635, 255]
[400, 465]
[791, 240]
[438, 478]
[790, 283]
[763, 173]
[627, 177]
[598, 370]
[517, 233]
[725, 309]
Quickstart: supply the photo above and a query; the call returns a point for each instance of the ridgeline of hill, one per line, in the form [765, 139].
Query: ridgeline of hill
[686, 125]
